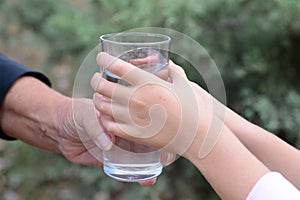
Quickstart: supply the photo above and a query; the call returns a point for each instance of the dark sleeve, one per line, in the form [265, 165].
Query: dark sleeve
[10, 71]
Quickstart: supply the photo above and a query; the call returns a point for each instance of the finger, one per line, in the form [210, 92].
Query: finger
[102, 86]
[109, 108]
[86, 158]
[87, 124]
[110, 135]
[95, 80]
[97, 134]
[148, 182]
[167, 158]
[109, 125]
[147, 60]
[93, 156]
[153, 59]
[113, 127]
[99, 101]
[125, 70]
[139, 61]
[163, 74]
[108, 89]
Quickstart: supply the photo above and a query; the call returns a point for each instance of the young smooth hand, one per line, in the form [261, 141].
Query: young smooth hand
[165, 115]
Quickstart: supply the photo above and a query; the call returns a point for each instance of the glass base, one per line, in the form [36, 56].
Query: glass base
[132, 173]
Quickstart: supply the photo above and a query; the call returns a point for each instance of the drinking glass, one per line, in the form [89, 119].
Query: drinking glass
[129, 161]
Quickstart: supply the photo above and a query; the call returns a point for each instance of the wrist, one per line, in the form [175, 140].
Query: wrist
[50, 111]
[209, 126]
[64, 126]
[30, 116]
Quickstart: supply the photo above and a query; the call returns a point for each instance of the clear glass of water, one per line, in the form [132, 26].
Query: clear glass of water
[129, 161]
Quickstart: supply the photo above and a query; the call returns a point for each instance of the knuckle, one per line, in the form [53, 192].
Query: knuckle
[139, 103]
[138, 100]
[181, 70]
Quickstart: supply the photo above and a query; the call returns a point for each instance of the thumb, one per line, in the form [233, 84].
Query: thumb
[93, 129]
[87, 123]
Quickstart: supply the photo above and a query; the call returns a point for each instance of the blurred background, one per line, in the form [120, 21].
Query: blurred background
[255, 44]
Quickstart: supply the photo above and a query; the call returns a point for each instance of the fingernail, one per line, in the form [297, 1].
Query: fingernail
[170, 158]
[104, 142]
[148, 182]
[95, 80]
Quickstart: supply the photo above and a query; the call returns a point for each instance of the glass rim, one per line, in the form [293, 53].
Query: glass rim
[108, 38]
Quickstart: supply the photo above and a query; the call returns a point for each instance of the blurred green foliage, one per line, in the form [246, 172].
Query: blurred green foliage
[255, 44]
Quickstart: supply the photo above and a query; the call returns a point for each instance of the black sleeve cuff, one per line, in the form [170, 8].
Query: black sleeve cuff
[10, 72]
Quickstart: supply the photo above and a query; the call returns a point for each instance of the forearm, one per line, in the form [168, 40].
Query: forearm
[32, 116]
[273, 152]
[276, 154]
[230, 168]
